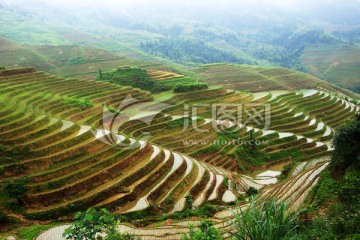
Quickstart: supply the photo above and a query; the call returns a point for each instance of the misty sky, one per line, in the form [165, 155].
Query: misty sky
[337, 11]
[289, 4]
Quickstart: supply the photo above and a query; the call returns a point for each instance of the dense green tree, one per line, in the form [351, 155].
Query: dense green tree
[350, 36]
[4, 219]
[338, 191]
[355, 88]
[252, 191]
[190, 87]
[347, 146]
[120, 236]
[188, 201]
[205, 231]
[283, 46]
[90, 224]
[16, 189]
[187, 51]
[93, 225]
[128, 76]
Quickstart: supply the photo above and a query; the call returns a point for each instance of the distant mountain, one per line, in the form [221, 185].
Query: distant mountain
[253, 32]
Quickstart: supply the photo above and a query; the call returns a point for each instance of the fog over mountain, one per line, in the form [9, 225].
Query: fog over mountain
[259, 32]
[335, 11]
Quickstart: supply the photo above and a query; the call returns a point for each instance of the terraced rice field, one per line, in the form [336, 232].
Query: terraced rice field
[293, 191]
[336, 63]
[56, 132]
[301, 126]
[70, 166]
[258, 79]
[161, 75]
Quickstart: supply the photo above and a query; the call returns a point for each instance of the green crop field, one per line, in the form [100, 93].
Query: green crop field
[52, 132]
[259, 79]
[336, 64]
[73, 61]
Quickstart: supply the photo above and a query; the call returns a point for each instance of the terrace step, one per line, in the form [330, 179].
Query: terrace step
[68, 160]
[204, 194]
[102, 192]
[180, 204]
[96, 179]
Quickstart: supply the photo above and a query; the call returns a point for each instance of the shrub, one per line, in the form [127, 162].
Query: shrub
[81, 103]
[327, 189]
[205, 231]
[93, 224]
[113, 110]
[86, 225]
[205, 211]
[16, 189]
[2, 68]
[317, 229]
[188, 201]
[4, 219]
[180, 122]
[256, 157]
[120, 236]
[252, 191]
[287, 169]
[161, 87]
[344, 219]
[338, 190]
[341, 222]
[17, 152]
[349, 187]
[347, 146]
[187, 87]
[226, 183]
[266, 220]
[128, 76]
[2, 148]
[77, 60]
[23, 70]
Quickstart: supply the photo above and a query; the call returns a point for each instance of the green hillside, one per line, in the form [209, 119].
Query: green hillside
[72, 60]
[259, 79]
[336, 64]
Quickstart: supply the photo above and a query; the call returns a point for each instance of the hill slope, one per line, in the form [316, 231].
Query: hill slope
[259, 79]
[54, 132]
[337, 64]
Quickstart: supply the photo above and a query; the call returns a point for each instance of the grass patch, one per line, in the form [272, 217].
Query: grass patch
[188, 87]
[113, 110]
[27, 232]
[207, 210]
[180, 122]
[152, 216]
[81, 103]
